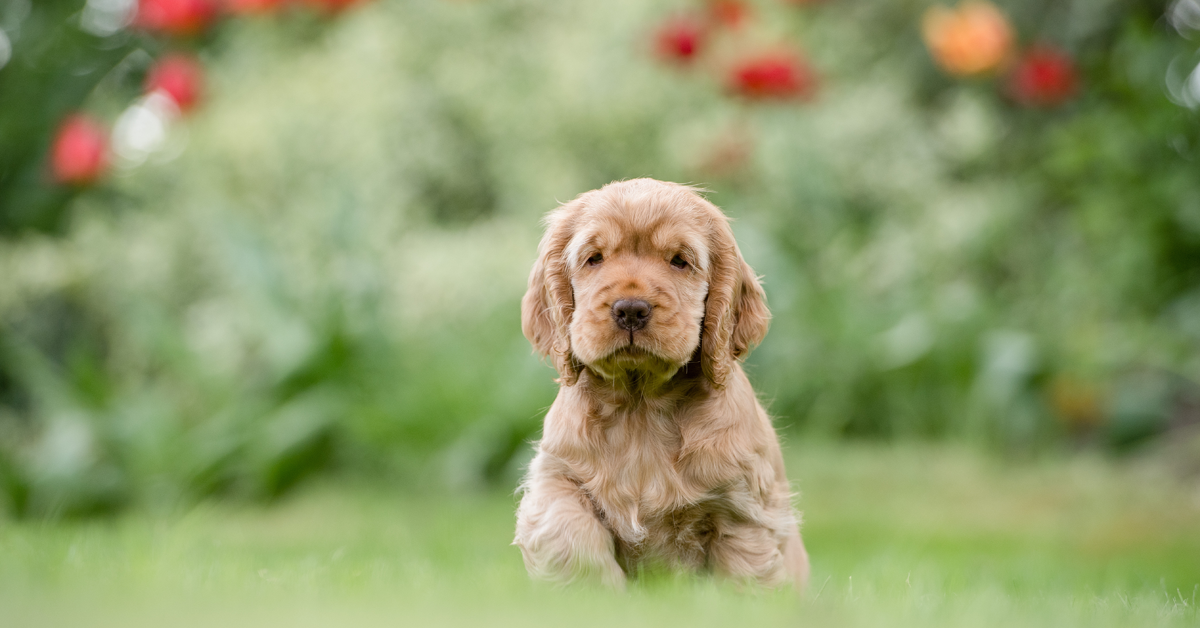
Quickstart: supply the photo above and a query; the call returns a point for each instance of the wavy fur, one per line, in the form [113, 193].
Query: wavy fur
[656, 451]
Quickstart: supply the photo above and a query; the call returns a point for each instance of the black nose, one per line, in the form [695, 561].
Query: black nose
[631, 314]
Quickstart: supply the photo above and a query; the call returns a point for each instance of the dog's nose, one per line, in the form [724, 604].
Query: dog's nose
[631, 314]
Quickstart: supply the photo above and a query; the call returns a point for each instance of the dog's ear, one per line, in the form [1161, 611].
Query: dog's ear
[549, 303]
[735, 313]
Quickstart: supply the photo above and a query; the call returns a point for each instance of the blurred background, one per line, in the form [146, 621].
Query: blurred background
[248, 243]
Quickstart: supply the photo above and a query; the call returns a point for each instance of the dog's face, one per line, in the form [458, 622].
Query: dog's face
[639, 273]
[636, 276]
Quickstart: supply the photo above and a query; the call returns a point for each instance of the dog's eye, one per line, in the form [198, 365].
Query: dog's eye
[678, 262]
[595, 259]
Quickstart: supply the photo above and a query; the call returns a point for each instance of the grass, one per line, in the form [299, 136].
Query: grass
[907, 535]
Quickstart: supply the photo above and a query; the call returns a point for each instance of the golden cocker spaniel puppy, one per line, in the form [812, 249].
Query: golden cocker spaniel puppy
[656, 451]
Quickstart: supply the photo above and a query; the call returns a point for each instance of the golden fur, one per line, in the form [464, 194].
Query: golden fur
[656, 451]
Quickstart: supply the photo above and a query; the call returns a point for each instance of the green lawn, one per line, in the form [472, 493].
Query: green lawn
[912, 535]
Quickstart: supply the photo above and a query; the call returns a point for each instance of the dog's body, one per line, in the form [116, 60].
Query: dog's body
[656, 451]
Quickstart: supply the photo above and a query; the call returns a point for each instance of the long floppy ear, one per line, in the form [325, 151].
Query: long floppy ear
[735, 314]
[549, 303]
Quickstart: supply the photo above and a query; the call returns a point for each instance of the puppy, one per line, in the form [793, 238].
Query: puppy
[656, 452]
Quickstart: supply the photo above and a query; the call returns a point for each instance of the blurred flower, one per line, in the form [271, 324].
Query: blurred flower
[680, 39]
[1043, 77]
[729, 13]
[253, 7]
[176, 17]
[180, 77]
[972, 38]
[80, 151]
[774, 75]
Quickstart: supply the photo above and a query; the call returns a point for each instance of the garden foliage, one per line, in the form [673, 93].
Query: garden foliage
[317, 263]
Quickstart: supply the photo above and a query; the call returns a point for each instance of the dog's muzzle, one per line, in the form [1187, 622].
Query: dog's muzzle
[631, 314]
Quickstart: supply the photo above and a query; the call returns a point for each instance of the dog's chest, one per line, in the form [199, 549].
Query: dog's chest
[642, 469]
[648, 494]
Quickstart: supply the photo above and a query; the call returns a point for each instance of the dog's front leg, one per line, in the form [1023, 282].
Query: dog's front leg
[748, 552]
[559, 535]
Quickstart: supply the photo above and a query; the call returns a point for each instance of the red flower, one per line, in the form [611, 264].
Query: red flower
[180, 77]
[80, 151]
[1043, 77]
[176, 17]
[778, 75]
[254, 7]
[730, 13]
[680, 39]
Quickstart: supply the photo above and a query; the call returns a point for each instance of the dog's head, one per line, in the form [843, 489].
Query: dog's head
[636, 276]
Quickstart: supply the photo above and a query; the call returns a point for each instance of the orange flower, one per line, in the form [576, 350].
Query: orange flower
[972, 38]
